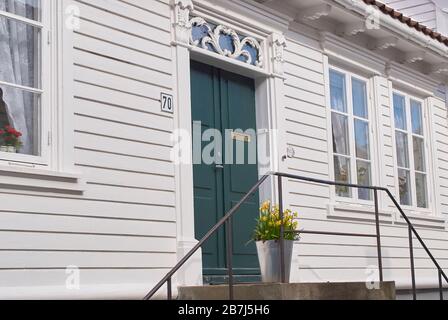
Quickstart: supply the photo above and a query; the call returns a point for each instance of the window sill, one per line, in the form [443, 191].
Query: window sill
[41, 180]
[366, 213]
[6, 157]
[357, 212]
[421, 219]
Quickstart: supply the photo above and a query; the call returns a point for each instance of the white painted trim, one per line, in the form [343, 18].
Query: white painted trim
[268, 94]
[430, 173]
[222, 62]
[246, 14]
[189, 275]
[18, 86]
[378, 137]
[44, 90]
[374, 159]
[16, 17]
[39, 180]
[434, 154]
[64, 129]
[394, 26]
[57, 117]
[326, 66]
[422, 221]
[411, 80]
[357, 212]
[350, 55]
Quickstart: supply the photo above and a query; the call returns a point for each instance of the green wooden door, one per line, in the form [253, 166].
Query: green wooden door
[226, 102]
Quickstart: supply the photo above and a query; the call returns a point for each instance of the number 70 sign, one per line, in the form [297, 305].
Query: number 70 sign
[167, 102]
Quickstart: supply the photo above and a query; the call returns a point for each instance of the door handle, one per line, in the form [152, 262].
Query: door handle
[219, 167]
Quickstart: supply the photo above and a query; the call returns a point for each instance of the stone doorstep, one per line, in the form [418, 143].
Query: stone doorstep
[293, 291]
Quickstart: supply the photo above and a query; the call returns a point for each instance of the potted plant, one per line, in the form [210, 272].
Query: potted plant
[267, 238]
[10, 139]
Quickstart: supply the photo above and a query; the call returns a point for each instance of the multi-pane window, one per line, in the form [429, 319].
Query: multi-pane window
[410, 148]
[20, 71]
[350, 122]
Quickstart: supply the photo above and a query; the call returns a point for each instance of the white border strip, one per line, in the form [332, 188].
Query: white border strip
[18, 86]
[21, 19]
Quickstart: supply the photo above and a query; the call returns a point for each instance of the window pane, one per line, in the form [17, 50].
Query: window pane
[400, 112]
[364, 179]
[342, 174]
[404, 182]
[25, 8]
[416, 114]
[19, 51]
[20, 110]
[402, 149]
[422, 194]
[419, 154]
[337, 91]
[362, 139]
[340, 134]
[359, 98]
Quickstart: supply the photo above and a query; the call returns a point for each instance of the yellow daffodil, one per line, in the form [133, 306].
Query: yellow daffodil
[270, 223]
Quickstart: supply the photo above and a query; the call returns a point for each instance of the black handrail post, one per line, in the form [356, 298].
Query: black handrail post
[378, 235]
[282, 230]
[411, 248]
[169, 289]
[229, 241]
[440, 284]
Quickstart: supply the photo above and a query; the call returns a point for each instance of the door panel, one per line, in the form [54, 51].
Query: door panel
[225, 101]
[207, 183]
[238, 113]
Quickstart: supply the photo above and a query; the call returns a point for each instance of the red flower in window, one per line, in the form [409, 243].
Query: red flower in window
[10, 137]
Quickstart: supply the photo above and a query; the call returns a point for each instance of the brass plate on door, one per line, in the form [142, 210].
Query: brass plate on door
[238, 136]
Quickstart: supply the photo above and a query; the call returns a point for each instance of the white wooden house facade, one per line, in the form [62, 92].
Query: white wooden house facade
[95, 192]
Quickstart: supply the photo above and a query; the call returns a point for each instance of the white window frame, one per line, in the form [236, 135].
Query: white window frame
[428, 158]
[46, 69]
[349, 75]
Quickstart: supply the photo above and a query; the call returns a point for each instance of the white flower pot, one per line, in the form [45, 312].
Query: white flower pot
[10, 149]
[269, 258]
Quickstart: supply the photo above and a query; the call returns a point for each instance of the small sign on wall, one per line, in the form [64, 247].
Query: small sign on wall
[167, 102]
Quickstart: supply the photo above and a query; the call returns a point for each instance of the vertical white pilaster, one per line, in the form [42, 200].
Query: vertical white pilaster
[191, 273]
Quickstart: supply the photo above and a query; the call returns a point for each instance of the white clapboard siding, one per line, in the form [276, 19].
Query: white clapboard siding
[423, 11]
[90, 280]
[116, 114]
[90, 91]
[385, 133]
[68, 242]
[440, 130]
[122, 229]
[122, 68]
[118, 145]
[46, 204]
[305, 126]
[59, 223]
[122, 130]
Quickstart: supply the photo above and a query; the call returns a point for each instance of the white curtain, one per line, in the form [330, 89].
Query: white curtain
[340, 134]
[17, 56]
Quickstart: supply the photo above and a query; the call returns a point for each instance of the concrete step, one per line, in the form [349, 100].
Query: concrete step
[293, 291]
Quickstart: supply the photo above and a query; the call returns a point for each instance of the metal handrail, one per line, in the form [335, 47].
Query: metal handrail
[220, 223]
[226, 220]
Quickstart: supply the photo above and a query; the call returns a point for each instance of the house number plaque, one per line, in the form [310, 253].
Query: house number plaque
[167, 102]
